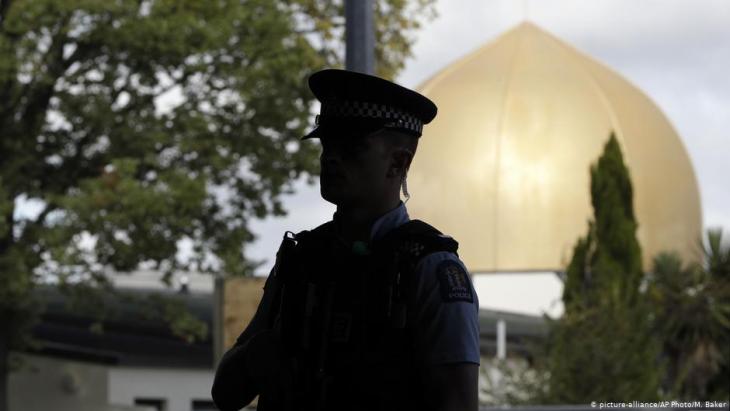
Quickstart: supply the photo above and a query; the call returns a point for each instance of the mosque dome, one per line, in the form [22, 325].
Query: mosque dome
[504, 167]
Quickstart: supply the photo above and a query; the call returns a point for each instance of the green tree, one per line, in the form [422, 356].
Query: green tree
[131, 127]
[602, 348]
[691, 305]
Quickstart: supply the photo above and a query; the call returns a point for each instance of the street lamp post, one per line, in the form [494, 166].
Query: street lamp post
[360, 36]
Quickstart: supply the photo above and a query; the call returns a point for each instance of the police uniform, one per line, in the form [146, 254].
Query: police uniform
[359, 322]
[446, 308]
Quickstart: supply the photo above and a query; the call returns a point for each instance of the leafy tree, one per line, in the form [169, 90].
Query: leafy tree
[601, 348]
[134, 127]
[692, 319]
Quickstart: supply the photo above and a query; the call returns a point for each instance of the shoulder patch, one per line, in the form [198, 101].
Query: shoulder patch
[454, 282]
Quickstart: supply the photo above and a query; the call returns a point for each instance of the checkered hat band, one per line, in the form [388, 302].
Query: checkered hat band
[364, 109]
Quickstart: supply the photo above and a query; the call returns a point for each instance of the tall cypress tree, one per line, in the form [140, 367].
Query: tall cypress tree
[602, 348]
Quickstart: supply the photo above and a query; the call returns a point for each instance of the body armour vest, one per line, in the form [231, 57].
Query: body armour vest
[345, 319]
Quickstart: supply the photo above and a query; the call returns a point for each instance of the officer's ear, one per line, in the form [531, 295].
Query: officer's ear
[400, 149]
[401, 159]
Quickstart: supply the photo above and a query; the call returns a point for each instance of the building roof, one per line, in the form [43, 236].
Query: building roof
[504, 166]
[131, 336]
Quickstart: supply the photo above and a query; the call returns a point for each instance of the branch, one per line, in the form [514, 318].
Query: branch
[6, 241]
[7, 89]
[40, 93]
[4, 7]
[59, 180]
[39, 98]
[37, 107]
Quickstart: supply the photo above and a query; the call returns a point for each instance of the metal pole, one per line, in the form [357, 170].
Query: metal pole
[360, 36]
[218, 330]
[501, 339]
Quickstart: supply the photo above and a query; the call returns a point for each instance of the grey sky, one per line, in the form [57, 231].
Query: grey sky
[676, 51]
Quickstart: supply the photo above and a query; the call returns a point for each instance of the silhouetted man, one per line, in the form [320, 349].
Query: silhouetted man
[372, 310]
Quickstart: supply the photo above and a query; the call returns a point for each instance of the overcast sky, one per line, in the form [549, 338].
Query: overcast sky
[676, 51]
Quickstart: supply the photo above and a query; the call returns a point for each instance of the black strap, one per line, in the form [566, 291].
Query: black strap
[414, 240]
[405, 246]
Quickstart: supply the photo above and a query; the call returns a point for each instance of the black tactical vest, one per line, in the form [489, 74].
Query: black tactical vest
[345, 321]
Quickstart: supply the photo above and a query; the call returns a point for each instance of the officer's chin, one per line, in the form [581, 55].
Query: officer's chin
[332, 189]
[330, 194]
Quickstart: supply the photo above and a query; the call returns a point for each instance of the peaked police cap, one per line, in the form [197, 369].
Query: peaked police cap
[358, 104]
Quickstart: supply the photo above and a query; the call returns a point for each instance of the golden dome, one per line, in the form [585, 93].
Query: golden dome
[504, 167]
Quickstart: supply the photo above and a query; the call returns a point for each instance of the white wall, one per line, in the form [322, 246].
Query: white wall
[47, 383]
[178, 386]
[524, 293]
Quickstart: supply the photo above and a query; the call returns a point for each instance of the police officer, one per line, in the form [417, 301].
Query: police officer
[372, 310]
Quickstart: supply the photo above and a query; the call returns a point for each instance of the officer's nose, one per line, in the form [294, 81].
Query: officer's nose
[331, 154]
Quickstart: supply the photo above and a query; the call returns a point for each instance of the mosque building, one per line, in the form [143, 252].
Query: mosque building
[504, 167]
